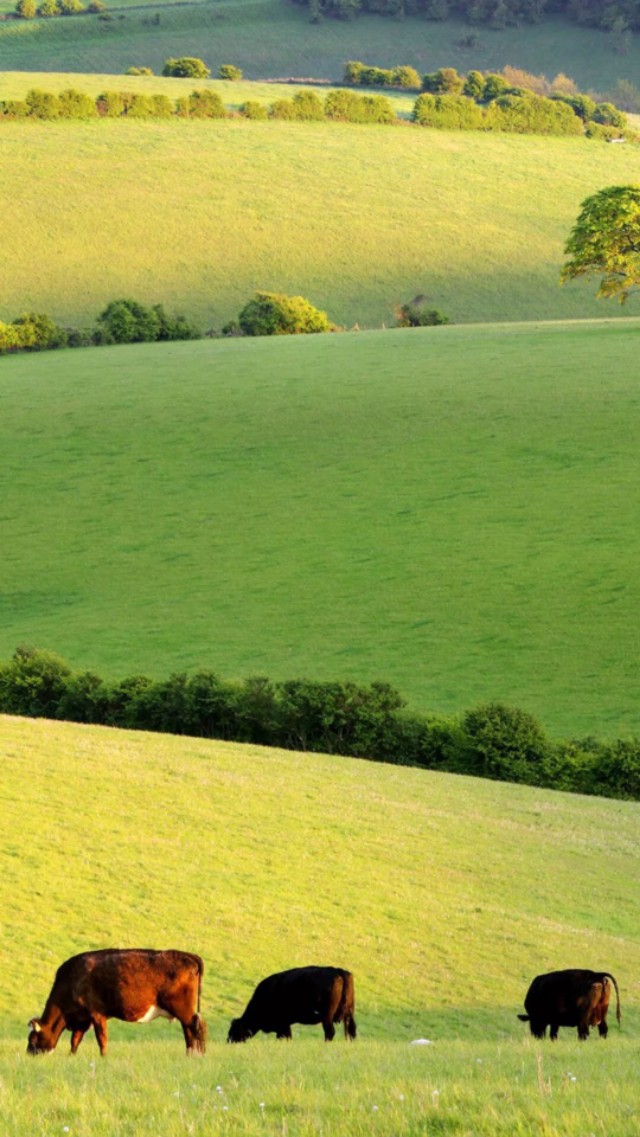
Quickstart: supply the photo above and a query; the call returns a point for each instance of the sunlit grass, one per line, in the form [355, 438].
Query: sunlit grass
[358, 219]
[443, 894]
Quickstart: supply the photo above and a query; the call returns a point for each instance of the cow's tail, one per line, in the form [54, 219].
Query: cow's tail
[199, 1025]
[612, 978]
[346, 1006]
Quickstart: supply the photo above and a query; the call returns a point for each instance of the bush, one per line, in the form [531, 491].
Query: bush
[448, 112]
[494, 85]
[138, 106]
[229, 71]
[608, 115]
[139, 71]
[111, 104]
[186, 68]
[502, 742]
[309, 106]
[33, 683]
[26, 9]
[273, 314]
[474, 85]
[343, 106]
[206, 104]
[174, 327]
[254, 110]
[14, 108]
[42, 104]
[49, 8]
[160, 106]
[407, 78]
[376, 109]
[445, 81]
[532, 114]
[416, 314]
[38, 332]
[75, 104]
[353, 71]
[70, 7]
[284, 109]
[127, 321]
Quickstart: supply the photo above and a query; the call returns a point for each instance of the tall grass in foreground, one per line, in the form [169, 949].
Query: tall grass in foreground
[443, 894]
[358, 219]
[305, 1088]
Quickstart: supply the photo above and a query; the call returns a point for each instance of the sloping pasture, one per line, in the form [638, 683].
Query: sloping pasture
[453, 510]
[274, 38]
[197, 215]
[443, 894]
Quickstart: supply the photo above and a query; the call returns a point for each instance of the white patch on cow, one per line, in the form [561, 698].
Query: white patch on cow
[153, 1013]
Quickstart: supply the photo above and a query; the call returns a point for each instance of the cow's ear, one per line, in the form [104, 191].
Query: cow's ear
[35, 1025]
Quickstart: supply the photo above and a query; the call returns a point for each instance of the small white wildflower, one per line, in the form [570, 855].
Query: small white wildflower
[573, 1078]
[422, 1042]
[401, 1097]
[479, 1061]
[374, 1108]
[176, 1093]
[219, 1089]
[65, 1129]
[261, 1105]
[225, 1107]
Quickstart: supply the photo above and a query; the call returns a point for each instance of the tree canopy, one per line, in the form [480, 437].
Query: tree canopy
[605, 241]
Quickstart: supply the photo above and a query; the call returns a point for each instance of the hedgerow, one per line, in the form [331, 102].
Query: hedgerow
[371, 721]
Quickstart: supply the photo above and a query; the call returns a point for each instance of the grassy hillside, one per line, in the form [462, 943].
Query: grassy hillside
[444, 895]
[453, 510]
[359, 219]
[271, 38]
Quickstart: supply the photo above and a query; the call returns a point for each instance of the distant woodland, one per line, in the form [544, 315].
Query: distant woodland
[616, 16]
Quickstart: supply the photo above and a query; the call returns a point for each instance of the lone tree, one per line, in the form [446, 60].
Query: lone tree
[605, 240]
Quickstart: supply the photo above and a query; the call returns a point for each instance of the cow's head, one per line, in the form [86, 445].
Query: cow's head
[239, 1031]
[39, 1040]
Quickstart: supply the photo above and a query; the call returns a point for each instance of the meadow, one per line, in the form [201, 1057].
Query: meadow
[270, 39]
[443, 894]
[452, 510]
[197, 215]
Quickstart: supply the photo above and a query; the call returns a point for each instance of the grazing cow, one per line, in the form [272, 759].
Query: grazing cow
[574, 997]
[302, 995]
[132, 984]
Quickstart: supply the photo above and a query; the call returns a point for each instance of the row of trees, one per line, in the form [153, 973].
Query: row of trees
[122, 321]
[511, 110]
[46, 9]
[611, 15]
[492, 741]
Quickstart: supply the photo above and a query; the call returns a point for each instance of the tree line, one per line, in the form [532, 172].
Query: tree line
[371, 721]
[613, 16]
[446, 104]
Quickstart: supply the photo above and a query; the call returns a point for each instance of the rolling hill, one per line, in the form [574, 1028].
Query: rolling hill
[443, 894]
[450, 509]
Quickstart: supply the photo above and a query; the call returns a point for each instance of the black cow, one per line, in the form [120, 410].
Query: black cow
[302, 995]
[574, 997]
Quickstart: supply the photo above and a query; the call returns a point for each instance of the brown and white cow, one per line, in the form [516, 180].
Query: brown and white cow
[307, 995]
[132, 984]
[575, 997]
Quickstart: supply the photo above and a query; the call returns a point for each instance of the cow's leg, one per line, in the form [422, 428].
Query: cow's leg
[329, 1030]
[583, 1031]
[284, 1032]
[538, 1029]
[76, 1038]
[195, 1034]
[100, 1026]
[553, 1032]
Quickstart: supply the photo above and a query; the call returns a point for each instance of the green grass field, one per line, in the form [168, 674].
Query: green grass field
[452, 510]
[443, 894]
[271, 39]
[358, 219]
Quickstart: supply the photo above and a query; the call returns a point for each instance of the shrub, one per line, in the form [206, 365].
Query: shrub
[284, 109]
[9, 338]
[309, 106]
[42, 104]
[139, 71]
[353, 71]
[38, 332]
[174, 327]
[376, 109]
[254, 110]
[186, 68]
[70, 7]
[111, 104]
[26, 9]
[96, 6]
[139, 106]
[14, 108]
[448, 112]
[532, 114]
[32, 683]
[127, 321]
[229, 71]
[48, 8]
[474, 85]
[160, 106]
[445, 81]
[581, 105]
[206, 104]
[342, 106]
[273, 314]
[416, 314]
[504, 743]
[75, 104]
[608, 115]
[406, 77]
[494, 85]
